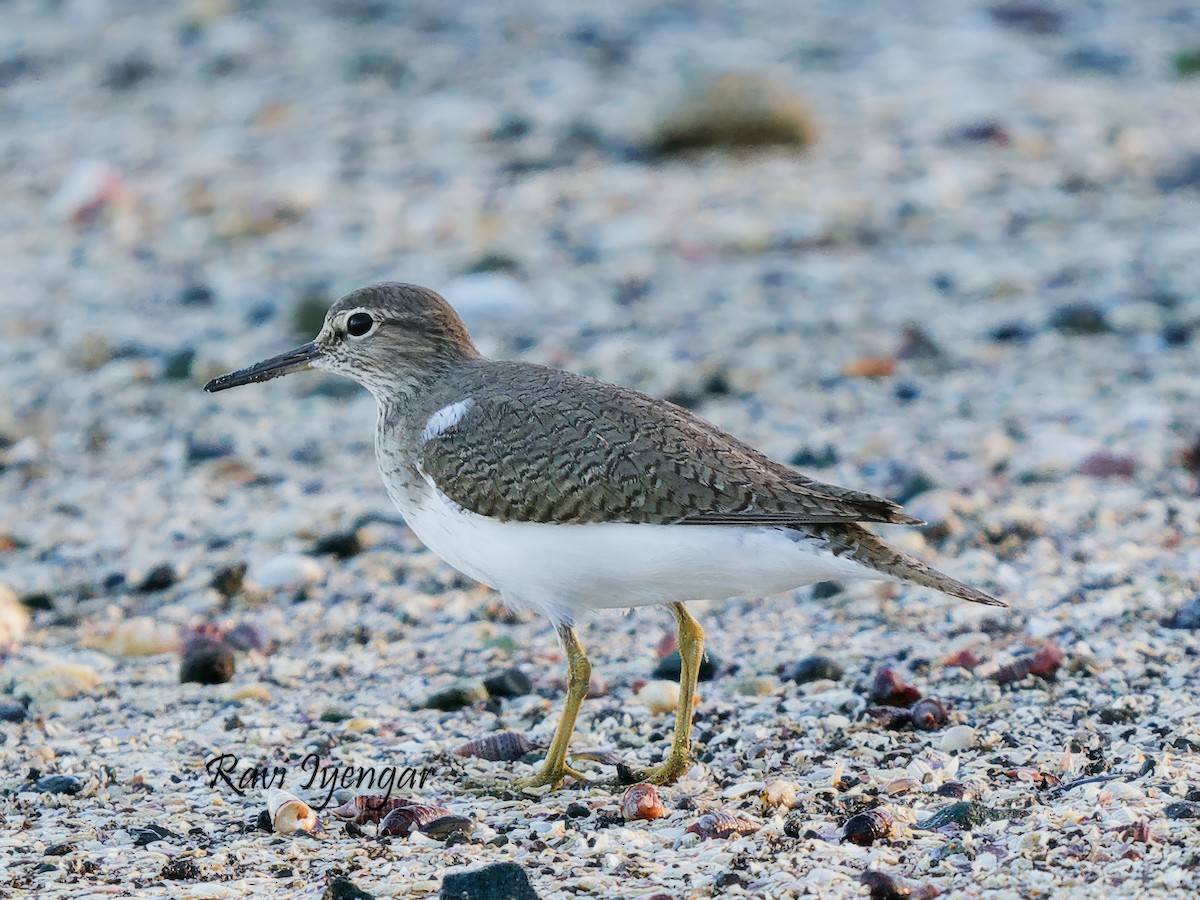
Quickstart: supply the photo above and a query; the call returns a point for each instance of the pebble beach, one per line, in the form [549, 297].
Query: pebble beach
[945, 252]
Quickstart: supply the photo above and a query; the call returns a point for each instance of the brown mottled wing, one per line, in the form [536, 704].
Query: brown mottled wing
[540, 445]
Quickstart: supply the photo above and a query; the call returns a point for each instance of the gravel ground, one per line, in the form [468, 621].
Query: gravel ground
[976, 292]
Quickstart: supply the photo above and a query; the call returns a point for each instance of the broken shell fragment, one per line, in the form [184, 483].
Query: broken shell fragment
[445, 827]
[289, 813]
[889, 689]
[780, 793]
[720, 824]
[503, 746]
[641, 802]
[1044, 664]
[404, 820]
[868, 827]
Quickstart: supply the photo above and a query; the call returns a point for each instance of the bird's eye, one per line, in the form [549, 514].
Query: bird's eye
[359, 324]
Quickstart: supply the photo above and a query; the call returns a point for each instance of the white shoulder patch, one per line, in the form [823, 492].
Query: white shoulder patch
[445, 419]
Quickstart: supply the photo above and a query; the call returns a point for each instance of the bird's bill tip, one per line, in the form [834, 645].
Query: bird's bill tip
[284, 364]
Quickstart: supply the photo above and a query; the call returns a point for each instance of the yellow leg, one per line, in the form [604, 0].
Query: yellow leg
[579, 676]
[691, 651]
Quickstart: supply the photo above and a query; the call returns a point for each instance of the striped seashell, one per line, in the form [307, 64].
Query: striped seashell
[720, 824]
[368, 808]
[868, 827]
[641, 802]
[289, 813]
[404, 820]
[503, 746]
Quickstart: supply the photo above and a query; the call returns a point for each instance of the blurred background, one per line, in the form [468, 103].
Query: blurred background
[942, 250]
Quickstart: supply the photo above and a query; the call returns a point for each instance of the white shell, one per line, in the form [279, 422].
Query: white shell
[289, 813]
[660, 696]
[960, 737]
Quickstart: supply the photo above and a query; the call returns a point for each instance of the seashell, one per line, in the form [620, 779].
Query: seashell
[660, 696]
[928, 714]
[604, 757]
[889, 689]
[1044, 663]
[404, 820]
[368, 808]
[963, 659]
[971, 789]
[720, 824]
[867, 827]
[641, 801]
[445, 827]
[289, 813]
[902, 785]
[141, 636]
[780, 793]
[503, 746]
[960, 737]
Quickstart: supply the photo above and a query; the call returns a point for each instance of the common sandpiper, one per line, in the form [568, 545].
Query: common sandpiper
[567, 494]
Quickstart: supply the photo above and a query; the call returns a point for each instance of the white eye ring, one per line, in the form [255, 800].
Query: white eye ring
[360, 323]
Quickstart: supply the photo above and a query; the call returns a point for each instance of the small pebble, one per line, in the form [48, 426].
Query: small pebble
[158, 579]
[670, 666]
[458, 696]
[207, 659]
[286, 570]
[444, 828]
[1108, 465]
[1080, 319]
[343, 545]
[660, 696]
[11, 711]
[227, 581]
[889, 689]
[345, 889]
[498, 881]
[58, 784]
[14, 618]
[816, 668]
[958, 737]
[507, 684]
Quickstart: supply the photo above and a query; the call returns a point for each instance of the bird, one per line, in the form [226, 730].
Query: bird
[567, 494]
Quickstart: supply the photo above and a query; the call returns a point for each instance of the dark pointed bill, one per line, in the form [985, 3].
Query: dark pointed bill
[292, 361]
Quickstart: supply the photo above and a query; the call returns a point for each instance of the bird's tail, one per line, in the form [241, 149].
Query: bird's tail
[870, 550]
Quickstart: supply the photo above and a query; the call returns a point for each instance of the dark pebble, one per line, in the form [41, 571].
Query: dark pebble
[43, 867]
[177, 366]
[58, 784]
[1108, 465]
[492, 262]
[343, 545]
[199, 450]
[509, 683]
[113, 581]
[388, 67]
[915, 343]
[197, 294]
[180, 869]
[345, 889]
[1182, 810]
[158, 579]
[578, 811]
[823, 590]
[1011, 333]
[12, 712]
[881, 886]
[816, 668]
[1097, 60]
[446, 827]
[150, 833]
[1030, 17]
[261, 313]
[928, 714]
[59, 849]
[1187, 616]
[209, 661]
[512, 128]
[988, 131]
[1176, 334]
[967, 815]
[669, 667]
[1184, 175]
[228, 580]
[128, 72]
[263, 821]
[38, 602]
[499, 881]
[246, 636]
[1080, 318]
[906, 392]
[815, 459]
[335, 715]
[453, 698]
[913, 483]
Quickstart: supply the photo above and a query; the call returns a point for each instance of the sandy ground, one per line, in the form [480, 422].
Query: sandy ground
[184, 183]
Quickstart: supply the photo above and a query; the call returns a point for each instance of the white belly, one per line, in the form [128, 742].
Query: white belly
[566, 569]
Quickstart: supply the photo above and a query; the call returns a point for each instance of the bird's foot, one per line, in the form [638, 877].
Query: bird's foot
[670, 770]
[547, 776]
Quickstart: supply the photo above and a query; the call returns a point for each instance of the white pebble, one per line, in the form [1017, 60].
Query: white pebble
[14, 618]
[959, 737]
[660, 696]
[286, 569]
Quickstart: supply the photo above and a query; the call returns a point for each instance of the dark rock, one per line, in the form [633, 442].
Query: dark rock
[148, 834]
[1080, 318]
[509, 683]
[1117, 715]
[1097, 60]
[1011, 333]
[58, 784]
[814, 459]
[158, 579]
[1187, 616]
[1176, 334]
[816, 668]
[1184, 175]
[985, 132]
[345, 889]
[915, 343]
[113, 581]
[177, 366]
[578, 811]
[456, 697]
[197, 294]
[494, 261]
[128, 72]
[198, 450]
[342, 544]
[1187, 62]
[914, 483]
[513, 128]
[12, 712]
[38, 602]
[669, 667]
[823, 590]
[1030, 17]
[499, 881]
[906, 391]
[207, 660]
[180, 869]
[446, 827]
[228, 580]
[881, 886]
[1183, 810]
[59, 849]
